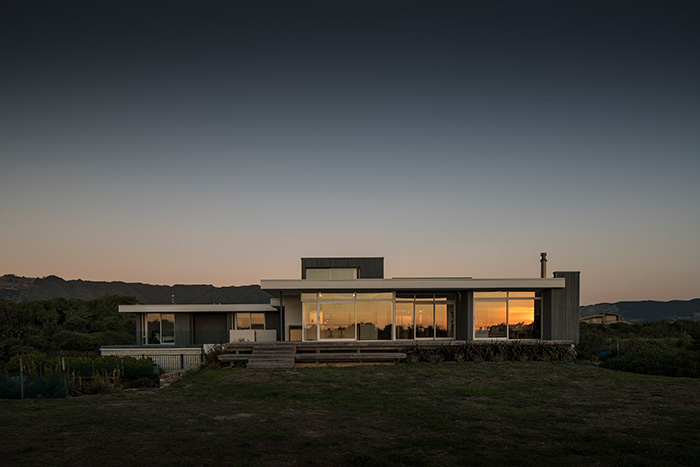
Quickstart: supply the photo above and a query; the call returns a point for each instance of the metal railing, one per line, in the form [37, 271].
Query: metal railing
[174, 362]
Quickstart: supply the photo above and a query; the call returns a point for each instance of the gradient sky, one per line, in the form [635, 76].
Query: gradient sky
[219, 142]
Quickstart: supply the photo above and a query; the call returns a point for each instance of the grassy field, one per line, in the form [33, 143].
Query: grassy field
[420, 414]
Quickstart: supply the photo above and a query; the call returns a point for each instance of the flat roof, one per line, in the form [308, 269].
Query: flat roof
[276, 286]
[213, 308]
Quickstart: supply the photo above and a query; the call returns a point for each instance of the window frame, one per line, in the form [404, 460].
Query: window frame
[536, 299]
[145, 330]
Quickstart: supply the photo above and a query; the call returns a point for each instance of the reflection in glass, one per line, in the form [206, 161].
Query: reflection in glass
[424, 319]
[153, 328]
[521, 319]
[257, 320]
[490, 319]
[444, 320]
[374, 320]
[478, 295]
[521, 294]
[310, 320]
[160, 328]
[242, 320]
[167, 328]
[337, 320]
[404, 319]
[375, 296]
[451, 313]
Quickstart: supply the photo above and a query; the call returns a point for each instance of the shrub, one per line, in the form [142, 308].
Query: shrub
[496, 352]
[116, 338]
[652, 361]
[70, 340]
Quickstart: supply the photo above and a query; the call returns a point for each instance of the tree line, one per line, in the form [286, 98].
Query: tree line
[64, 324]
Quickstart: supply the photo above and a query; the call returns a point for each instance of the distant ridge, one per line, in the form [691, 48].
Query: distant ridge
[24, 289]
[648, 310]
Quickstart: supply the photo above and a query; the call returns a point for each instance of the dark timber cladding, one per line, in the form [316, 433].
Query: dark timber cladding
[565, 306]
[367, 268]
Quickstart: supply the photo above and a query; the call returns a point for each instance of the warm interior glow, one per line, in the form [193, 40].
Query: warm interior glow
[337, 320]
[404, 320]
[374, 319]
[310, 321]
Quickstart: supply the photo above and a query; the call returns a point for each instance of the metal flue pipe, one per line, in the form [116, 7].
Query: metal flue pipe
[543, 265]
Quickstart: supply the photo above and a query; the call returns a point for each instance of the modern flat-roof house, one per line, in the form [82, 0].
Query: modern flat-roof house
[605, 318]
[350, 299]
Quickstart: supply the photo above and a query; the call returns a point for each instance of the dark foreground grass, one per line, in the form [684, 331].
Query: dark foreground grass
[448, 414]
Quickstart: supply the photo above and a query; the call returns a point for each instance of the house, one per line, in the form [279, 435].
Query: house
[605, 318]
[350, 300]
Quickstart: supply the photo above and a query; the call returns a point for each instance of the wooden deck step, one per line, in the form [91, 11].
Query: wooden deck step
[277, 355]
[350, 357]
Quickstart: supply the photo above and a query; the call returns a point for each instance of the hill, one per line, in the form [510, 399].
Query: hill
[23, 289]
[648, 310]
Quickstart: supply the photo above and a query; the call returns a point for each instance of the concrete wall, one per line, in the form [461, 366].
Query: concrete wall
[565, 308]
[369, 268]
[292, 313]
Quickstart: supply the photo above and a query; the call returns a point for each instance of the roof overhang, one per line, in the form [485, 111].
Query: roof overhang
[277, 286]
[219, 308]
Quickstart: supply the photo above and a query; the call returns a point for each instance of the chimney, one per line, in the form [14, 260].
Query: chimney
[543, 265]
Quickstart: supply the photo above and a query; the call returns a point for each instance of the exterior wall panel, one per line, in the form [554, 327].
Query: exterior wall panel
[139, 329]
[546, 315]
[292, 310]
[369, 268]
[210, 328]
[565, 308]
[463, 315]
[182, 329]
[272, 322]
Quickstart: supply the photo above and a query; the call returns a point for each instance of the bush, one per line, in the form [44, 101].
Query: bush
[496, 352]
[71, 340]
[116, 338]
[652, 361]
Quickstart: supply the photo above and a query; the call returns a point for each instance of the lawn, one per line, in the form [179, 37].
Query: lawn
[513, 413]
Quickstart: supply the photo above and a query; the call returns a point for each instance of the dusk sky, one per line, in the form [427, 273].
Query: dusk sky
[219, 142]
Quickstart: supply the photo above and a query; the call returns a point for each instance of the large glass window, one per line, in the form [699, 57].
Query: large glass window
[490, 319]
[404, 319]
[377, 316]
[424, 319]
[425, 316]
[374, 320]
[337, 320]
[248, 321]
[444, 320]
[159, 328]
[512, 315]
[310, 318]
